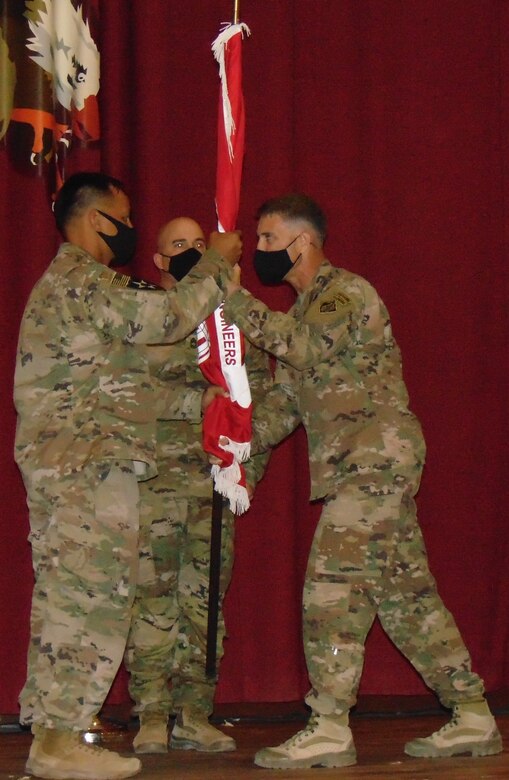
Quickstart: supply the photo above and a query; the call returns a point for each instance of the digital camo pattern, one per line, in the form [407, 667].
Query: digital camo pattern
[84, 399]
[82, 389]
[339, 373]
[168, 634]
[84, 537]
[167, 641]
[368, 558]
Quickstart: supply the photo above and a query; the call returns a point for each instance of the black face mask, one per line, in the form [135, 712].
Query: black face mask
[272, 267]
[181, 264]
[122, 244]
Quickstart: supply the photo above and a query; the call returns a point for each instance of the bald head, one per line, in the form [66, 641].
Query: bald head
[175, 237]
[180, 234]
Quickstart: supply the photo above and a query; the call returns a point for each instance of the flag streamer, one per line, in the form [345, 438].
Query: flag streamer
[221, 345]
[218, 49]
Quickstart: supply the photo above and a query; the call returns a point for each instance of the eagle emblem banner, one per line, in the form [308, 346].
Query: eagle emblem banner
[49, 81]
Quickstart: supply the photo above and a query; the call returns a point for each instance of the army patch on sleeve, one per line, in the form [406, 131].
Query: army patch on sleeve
[115, 279]
[142, 284]
[332, 302]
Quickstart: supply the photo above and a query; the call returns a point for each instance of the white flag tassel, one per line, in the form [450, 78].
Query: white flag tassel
[241, 451]
[218, 48]
[226, 482]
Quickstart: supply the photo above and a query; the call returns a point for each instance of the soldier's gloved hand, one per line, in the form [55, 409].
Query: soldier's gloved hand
[228, 245]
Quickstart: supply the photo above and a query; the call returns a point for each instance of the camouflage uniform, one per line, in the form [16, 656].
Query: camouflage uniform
[168, 633]
[85, 436]
[339, 373]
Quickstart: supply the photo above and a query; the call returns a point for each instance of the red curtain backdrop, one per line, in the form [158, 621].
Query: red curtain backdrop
[393, 114]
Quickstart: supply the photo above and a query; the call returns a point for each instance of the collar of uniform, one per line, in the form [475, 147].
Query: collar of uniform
[73, 250]
[319, 282]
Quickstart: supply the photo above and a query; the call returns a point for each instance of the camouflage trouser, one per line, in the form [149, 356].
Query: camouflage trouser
[168, 635]
[367, 559]
[84, 537]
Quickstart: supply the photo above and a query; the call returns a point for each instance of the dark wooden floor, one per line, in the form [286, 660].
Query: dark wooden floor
[381, 726]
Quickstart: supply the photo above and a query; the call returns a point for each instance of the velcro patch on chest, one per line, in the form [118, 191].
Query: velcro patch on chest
[115, 279]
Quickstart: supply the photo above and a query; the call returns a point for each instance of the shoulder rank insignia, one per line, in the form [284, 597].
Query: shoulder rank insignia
[142, 284]
[330, 303]
[339, 298]
[115, 279]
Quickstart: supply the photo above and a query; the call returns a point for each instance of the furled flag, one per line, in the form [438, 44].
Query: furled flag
[220, 345]
[49, 80]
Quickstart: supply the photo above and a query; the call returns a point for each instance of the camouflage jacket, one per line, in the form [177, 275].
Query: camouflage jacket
[183, 466]
[339, 373]
[82, 388]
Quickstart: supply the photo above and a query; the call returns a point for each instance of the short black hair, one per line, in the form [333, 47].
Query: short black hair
[295, 207]
[78, 192]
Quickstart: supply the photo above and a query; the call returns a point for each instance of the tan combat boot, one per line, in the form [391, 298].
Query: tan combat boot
[325, 742]
[153, 734]
[192, 731]
[472, 730]
[61, 755]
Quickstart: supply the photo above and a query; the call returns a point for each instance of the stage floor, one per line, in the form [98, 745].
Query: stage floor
[381, 726]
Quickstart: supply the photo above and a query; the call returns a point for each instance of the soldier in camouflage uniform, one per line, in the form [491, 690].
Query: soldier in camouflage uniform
[85, 437]
[169, 628]
[339, 373]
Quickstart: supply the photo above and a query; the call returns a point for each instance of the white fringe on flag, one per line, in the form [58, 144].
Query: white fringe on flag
[226, 482]
[218, 48]
[241, 451]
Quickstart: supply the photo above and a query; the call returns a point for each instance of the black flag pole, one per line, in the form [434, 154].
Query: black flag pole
[214, 579]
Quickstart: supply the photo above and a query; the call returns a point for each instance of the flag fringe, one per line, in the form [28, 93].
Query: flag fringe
[226, 482]
[218, 49]
[241, 450]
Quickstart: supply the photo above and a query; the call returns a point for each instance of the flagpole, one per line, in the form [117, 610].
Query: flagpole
[214, 595]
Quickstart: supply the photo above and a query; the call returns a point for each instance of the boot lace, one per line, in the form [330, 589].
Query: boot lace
[300, 736]
[449, 726]
[92, 748]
